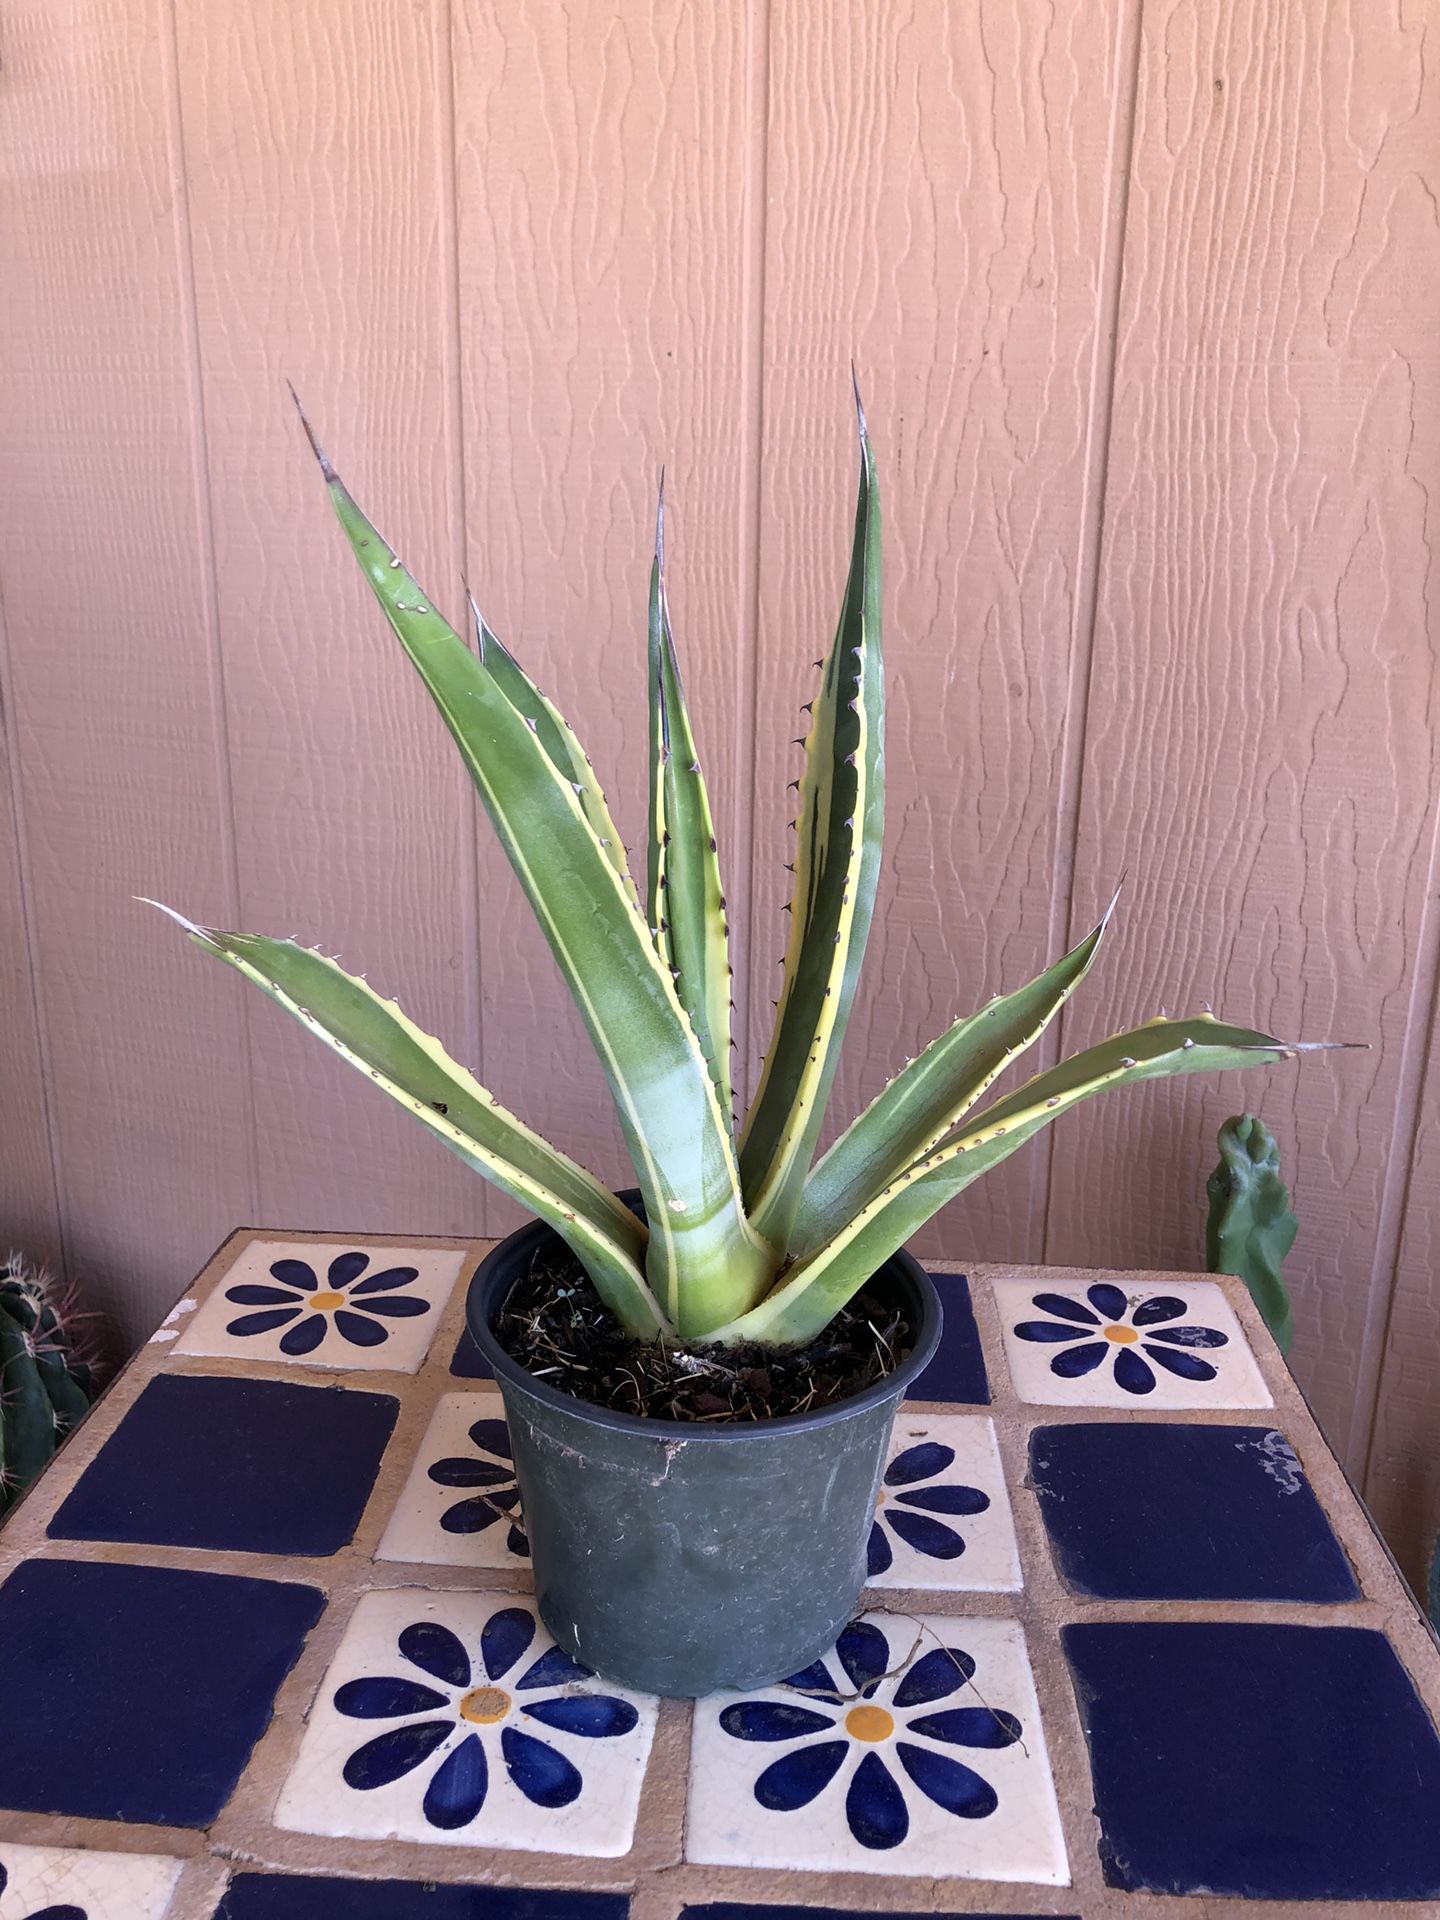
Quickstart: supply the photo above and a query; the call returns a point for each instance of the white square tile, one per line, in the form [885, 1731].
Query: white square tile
[101, 1886]
[454, 1717]
[461, 1506]
[334, 1303]
[915, 1748]
[1166, 1344]
[943, 1519]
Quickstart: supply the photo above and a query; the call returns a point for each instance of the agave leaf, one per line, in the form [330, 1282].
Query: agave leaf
[686, 896]
[816, 1288]
[557, 737]
[837, 867]
[414, 1069]
[931, 1094]
[677, 1136]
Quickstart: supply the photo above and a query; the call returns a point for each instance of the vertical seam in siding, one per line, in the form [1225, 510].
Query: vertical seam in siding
[453, 370]
[1359, 1445]
[752, 383]
[1061, 931]
[209, 572]
[38, 1011]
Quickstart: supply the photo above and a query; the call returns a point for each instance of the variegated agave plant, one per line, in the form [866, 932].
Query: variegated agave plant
[749, 1236]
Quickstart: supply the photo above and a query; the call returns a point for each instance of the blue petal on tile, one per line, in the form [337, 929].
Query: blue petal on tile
[467, 1362]
[864, 1653]
[554, 1668]
[935, 1674]
[394, 1753]
[1260, 1762]
[957, 1371]
[968, 1727]
[457, 1792]
[773, 1720]
[874, 1806]
[379, 1696]
[595, 1716]
[925, 1535]
[437, 1651]
[542, 1773]
[138, 1693]
[949, 1783]
[258, 1466]
[505, 1637]
[796, 1778]
[281, 1896]
[1165, 1511]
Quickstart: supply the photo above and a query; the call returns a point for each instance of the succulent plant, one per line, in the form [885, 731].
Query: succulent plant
[45, 1390]
[749, 1236]
[1251, 1228]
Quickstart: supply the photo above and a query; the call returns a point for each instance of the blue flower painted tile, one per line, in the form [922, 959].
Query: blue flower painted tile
[326, 1304]
[1159, 1511]
[957, 1371]
[460, 1506]
[137, 1693]
[913, 1747]
[222, 1463]
[280, 1896]
[1258, 1762]
[1168, 1345]
[66, 1883]
[943, 1519]
[454, 1717]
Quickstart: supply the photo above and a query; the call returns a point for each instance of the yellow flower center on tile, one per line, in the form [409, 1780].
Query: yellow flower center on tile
[869, 1723]
[327, 1302]
[1122, 1336]
[485, 1705]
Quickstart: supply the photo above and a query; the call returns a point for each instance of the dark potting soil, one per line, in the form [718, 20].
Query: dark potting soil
[558, 1328]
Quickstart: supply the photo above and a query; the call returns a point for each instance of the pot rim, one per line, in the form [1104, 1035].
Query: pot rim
[485, 1283]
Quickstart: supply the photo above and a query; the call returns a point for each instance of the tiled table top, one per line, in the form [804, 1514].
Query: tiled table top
[1128, 1647]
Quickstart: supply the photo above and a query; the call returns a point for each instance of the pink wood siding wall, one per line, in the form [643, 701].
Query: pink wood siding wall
[1143, 293]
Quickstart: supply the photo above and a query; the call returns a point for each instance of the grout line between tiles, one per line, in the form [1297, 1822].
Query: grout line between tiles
[655, 1871]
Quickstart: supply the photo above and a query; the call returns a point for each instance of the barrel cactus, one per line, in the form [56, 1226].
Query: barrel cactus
[45, 1388]
[1251, 1227]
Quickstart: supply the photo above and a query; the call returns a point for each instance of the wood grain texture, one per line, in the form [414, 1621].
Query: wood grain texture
[936, 209]
[601, 181]
[110, 673]
[316, 159]
[1261, 721]
[1157, 409]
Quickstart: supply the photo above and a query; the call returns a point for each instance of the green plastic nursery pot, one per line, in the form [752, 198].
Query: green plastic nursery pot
[681, 1557]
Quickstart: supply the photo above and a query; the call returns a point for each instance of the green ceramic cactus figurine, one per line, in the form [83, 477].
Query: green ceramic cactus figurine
[45, 1390]
[1251, 1227]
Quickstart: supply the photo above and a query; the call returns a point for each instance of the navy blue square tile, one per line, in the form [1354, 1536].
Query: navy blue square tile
[958, 1370]
[280, 1896]
[468, 1362]
[137, 1693]
[1161, 1511]
[1263, 1762]
[259, 1466]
